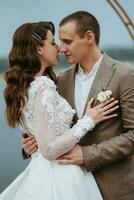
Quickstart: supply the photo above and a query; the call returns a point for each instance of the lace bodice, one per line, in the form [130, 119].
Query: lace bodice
[49, 116]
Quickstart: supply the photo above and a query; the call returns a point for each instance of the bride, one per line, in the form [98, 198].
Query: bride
[33, 102]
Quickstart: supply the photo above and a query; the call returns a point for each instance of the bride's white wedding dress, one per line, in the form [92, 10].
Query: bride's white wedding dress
[48, 116]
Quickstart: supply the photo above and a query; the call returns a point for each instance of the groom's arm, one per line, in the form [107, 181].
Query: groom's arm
[107, 152]
[119, 147]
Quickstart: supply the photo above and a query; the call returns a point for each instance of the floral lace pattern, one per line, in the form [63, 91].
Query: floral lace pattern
[50, 96]
[49, 116]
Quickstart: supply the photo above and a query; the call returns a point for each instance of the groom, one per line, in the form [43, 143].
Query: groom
[109, 151]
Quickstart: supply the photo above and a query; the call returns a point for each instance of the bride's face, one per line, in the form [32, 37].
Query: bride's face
[48, 53]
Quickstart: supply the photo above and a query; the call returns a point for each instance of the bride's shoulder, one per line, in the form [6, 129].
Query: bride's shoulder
[41, 84]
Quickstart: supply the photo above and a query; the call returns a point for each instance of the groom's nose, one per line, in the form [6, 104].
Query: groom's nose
[63, 48]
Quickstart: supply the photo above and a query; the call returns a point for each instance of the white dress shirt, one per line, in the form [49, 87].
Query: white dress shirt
[83, 83]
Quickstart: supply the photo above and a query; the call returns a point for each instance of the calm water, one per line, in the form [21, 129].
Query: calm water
[11, 161]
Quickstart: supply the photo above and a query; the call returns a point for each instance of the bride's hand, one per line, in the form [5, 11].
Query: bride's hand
[103, 111]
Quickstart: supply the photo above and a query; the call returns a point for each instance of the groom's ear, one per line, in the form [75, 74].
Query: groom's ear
[90, 36]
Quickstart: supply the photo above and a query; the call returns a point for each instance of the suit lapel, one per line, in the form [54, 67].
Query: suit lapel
[70, 88]
[102, 78]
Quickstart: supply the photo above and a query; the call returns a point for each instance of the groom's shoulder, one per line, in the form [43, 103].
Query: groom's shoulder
[124, 68]
[121, 67]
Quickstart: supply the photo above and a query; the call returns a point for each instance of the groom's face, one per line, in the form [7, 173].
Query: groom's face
[72, 45]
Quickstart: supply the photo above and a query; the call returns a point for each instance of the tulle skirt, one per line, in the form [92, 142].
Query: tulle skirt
[48, 180]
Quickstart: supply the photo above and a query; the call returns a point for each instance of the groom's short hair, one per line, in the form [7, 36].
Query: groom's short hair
[85, 21]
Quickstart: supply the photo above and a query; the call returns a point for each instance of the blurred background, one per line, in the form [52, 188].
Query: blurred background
[115, 41]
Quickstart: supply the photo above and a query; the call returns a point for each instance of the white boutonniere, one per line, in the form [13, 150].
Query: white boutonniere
[104, 95]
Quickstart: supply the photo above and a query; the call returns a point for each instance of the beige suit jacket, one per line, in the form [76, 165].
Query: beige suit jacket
[109, 150]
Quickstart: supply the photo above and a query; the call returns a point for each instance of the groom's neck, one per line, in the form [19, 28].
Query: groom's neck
[89, 61]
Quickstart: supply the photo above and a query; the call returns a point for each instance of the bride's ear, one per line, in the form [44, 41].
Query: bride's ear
[39, 50]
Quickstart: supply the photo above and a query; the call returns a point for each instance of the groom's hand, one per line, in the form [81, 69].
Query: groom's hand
[74, 157]
[29, 144]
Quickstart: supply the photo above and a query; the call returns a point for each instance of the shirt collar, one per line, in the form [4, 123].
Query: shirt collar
[94, 69]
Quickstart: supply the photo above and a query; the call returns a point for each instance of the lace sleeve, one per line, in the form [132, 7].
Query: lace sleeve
[50, 142]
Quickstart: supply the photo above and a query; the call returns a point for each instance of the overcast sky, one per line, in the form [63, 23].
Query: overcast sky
[13, 13]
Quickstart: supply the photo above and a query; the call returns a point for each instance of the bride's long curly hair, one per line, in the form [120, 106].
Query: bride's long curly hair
[24, 64]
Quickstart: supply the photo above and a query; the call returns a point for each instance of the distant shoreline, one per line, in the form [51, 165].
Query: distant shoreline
[59, 68]
[122, 54]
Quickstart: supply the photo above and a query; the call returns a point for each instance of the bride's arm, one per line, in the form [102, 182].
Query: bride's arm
[51, 141]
